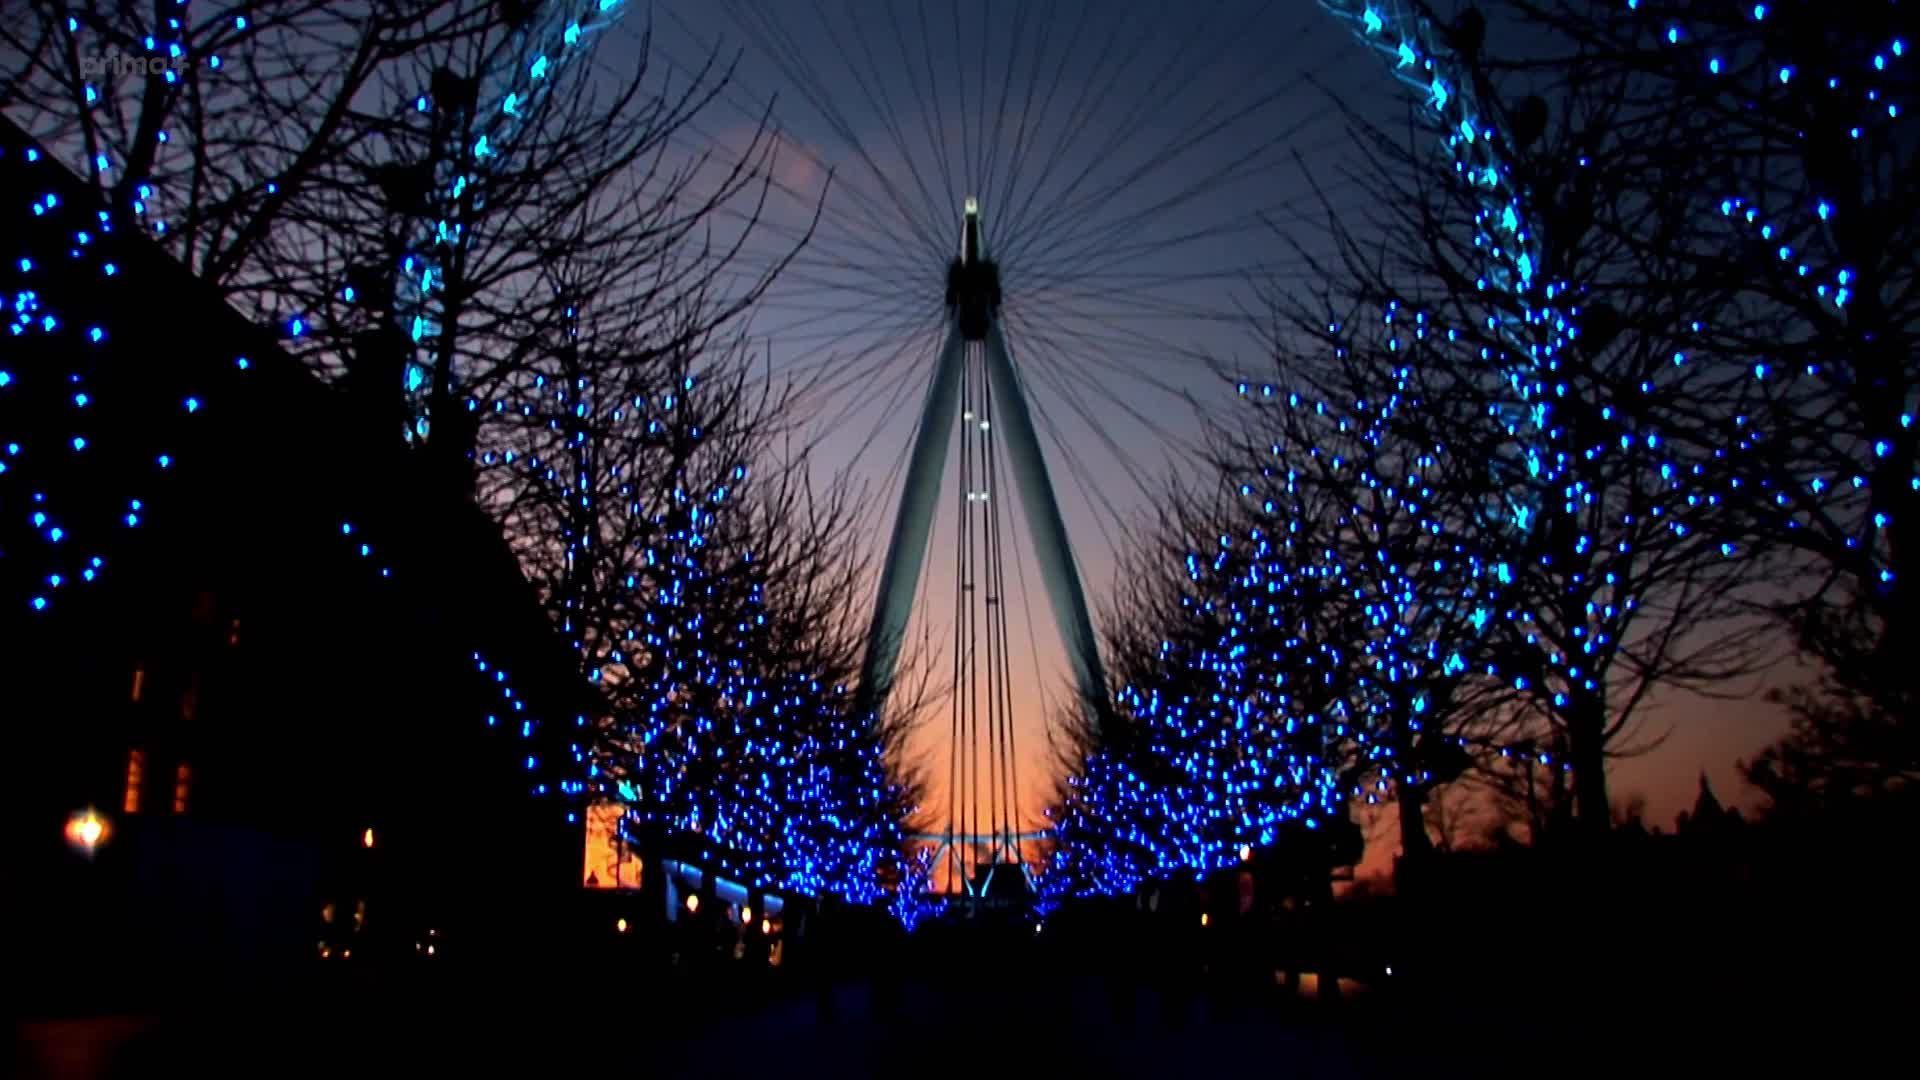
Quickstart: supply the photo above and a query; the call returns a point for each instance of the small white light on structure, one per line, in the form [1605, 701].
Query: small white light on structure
[1246, 852]
[366, 838]
[693, 902]
[620, 925]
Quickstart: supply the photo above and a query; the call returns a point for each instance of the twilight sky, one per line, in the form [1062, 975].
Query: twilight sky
[1140, 166]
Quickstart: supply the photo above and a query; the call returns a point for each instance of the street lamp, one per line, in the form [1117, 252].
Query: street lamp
[86, 831]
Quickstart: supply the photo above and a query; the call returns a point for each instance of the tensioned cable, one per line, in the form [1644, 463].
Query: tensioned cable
[1001, 674]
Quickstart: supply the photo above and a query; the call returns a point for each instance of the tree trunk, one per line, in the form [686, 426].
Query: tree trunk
[1586, 730]
[1415, 844]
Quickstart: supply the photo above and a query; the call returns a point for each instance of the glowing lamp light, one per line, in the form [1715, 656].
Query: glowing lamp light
[620, 926]
[693, 903]
[366, 838]
[1205, 919]
[1246, 852]
[86, 831]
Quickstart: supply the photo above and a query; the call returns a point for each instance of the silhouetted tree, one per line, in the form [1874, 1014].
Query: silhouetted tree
[1494, 319]
[390, 184]
[1801, 188]
[1844, 756]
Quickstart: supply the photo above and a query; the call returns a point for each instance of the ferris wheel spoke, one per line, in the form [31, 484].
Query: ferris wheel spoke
[929, 105]
[891, 394]
[1082, 213]
[1108, 347]
[895, 126]
[1097, 85]
[1065, 377]
[1107, 306]
[866, 365]
[1057, 379]
[1091, 240]
[924, 220]
[1152, 100]
[780, 49]
[1083, 482]
[1021, 146]
[995, 139]
[841, 285]
[1101, 194]
[960, 87]
[1108, 263]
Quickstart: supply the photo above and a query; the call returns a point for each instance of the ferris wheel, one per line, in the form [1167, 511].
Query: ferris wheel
[1019, 249]
[1033, 233]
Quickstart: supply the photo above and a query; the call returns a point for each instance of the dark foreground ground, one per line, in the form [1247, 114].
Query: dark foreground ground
[1015, 1021]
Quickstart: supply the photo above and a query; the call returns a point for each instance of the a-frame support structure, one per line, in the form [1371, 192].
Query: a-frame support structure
[973, 305]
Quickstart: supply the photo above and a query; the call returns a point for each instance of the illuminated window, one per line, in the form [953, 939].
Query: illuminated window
[182, 780]
[610, 863]
[136, 771]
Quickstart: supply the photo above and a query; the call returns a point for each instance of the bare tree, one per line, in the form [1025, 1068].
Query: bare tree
[533, 275]
[385, 184]
[1799, 186]
[1539, 387]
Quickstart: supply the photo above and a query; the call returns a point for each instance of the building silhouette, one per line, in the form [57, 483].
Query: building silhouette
[274, 688]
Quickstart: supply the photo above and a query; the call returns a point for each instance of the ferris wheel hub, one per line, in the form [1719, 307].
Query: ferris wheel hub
[973, 281]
